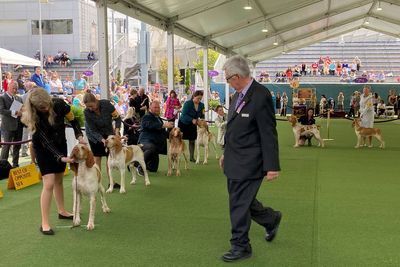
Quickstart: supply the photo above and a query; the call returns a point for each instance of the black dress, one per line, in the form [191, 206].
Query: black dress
[49, 141]
[131, 132]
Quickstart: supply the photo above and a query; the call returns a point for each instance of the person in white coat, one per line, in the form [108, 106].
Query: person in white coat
[220, 122]
[367, 112]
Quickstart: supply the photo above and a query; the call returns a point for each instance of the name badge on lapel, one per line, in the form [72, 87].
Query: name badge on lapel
[245, 115]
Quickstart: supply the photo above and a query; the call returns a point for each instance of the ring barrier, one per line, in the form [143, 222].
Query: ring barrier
[16, 142]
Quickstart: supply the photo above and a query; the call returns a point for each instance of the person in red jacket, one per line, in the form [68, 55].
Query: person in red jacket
[7, 80]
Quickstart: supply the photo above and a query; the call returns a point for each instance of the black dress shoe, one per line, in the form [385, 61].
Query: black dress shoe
[235, 255]
[116, 185]
[47, 232]
[63, 217]
[192, 160]
[272, 233]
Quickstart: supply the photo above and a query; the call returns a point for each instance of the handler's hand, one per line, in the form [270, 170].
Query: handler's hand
[221, 162]
[82, 140]
[272, 175]
[67, 160]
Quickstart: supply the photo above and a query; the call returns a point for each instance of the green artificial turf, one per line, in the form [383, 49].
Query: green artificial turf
[340, 208]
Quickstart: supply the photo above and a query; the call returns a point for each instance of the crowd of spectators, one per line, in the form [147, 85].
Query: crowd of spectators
[326, 66]
[61, 58]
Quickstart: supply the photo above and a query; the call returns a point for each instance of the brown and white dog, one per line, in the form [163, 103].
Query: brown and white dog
[175, 150]
[204, 137]
[86, 181]
[304, 130]
[362, 133]
[122, 156]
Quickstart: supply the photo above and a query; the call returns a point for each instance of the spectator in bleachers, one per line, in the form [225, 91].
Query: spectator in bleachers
[80, 85]
[339, 68]
[381, 77]
[345, 76]
[352, 76]
[68, 85]
[55, 84]
[325, 69]
[57, 57]
[364, 74]
[289, 73]
[90, 56]
[314, 69]
[303, 71]
[7, 80]
[358, 63]
[371, 77]
[332, 68]
[65, 59]
[321, 65]
[38, 78]
[340, 101]
[353, 67]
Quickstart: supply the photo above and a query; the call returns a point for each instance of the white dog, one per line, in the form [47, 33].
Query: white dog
[120, 157]
[87, 181]
[204, 137]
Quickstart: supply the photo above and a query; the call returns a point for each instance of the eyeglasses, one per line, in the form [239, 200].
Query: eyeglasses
[230, 77]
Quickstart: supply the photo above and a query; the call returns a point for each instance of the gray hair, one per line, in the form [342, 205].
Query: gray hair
[236, 65]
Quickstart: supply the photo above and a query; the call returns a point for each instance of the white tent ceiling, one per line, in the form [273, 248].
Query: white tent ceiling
[229, 29]
[9, 57]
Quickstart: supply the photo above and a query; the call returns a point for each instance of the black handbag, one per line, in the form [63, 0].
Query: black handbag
[5, 168]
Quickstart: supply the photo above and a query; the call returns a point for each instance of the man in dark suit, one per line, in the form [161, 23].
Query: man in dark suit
[153, 137]
[251, 153]
[11, 127]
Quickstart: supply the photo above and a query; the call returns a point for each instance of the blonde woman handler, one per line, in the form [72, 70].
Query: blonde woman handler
[44, 117]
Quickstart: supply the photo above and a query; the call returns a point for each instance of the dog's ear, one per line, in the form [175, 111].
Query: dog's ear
[89, 159]
[171, 133]
[74, 152]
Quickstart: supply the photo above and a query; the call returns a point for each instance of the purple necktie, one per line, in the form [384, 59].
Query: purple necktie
[239, 100]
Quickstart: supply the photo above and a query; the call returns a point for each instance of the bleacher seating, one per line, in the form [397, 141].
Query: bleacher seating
[374, 55]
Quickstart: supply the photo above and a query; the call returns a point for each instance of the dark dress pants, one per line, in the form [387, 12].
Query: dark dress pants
[11, 136]
[151, 157]
[244, 207]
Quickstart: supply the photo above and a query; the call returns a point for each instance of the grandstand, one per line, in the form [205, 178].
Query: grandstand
[376, 51]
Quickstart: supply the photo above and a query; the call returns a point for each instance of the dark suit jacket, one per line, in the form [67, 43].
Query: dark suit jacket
[8, 123]
[251, 139]
[153, 132]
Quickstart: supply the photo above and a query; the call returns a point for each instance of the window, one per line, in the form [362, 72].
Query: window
[56, 26]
